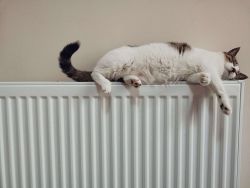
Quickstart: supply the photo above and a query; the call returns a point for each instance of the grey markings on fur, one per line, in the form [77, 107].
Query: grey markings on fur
[67, 67]
[230, 58]
[132, 46]
[240, 76]
[181, 47]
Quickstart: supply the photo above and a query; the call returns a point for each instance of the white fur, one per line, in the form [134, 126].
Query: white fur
[159, 63]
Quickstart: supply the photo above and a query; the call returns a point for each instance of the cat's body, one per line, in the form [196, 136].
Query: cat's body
[159, 63]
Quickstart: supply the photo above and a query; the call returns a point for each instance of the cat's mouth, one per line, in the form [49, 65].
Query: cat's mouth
[232, 73]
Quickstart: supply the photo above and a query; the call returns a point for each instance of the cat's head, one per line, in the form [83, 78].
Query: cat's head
[232, 69]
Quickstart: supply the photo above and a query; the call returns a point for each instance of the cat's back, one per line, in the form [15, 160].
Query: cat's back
[155, 50]
[139, 54]
[117, 57]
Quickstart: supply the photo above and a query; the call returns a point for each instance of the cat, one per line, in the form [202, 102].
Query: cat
[159, 63]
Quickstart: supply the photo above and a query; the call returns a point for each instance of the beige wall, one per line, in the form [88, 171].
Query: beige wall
[33, 32]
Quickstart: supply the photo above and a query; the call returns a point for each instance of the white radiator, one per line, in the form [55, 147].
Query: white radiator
[64, 135]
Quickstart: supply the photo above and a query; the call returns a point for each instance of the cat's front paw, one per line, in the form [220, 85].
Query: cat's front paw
[226, 109]
[106, 87]
[225, 105]
[205, 79]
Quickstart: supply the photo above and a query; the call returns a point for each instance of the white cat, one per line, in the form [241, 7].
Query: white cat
[159, 63]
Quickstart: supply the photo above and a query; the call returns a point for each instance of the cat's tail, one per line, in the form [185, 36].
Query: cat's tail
[67, 67]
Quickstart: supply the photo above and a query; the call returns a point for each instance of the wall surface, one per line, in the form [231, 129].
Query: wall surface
[33, 32]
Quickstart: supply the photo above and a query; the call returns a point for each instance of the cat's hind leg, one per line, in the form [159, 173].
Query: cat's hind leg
[202, 78]
[102, 81]
[132, 80]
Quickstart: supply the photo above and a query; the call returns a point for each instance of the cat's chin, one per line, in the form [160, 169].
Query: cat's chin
[228, 75]
[231, 75]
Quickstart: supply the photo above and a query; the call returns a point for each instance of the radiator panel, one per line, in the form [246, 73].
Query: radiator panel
[68, 135]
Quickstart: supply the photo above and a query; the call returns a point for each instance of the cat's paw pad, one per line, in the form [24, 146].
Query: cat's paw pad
[133, 82]
[136, 83]
[106, 88]
[226, 109]
[205, 79]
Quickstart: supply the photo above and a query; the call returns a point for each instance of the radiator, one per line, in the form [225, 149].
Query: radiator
[67, 135]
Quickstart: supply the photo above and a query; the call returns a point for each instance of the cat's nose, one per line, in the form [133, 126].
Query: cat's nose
[234, 70]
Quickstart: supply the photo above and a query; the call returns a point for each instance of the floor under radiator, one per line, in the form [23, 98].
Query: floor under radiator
[60, 135]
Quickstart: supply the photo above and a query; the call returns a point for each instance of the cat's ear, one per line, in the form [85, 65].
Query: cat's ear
[234, 51]
[240, 76]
